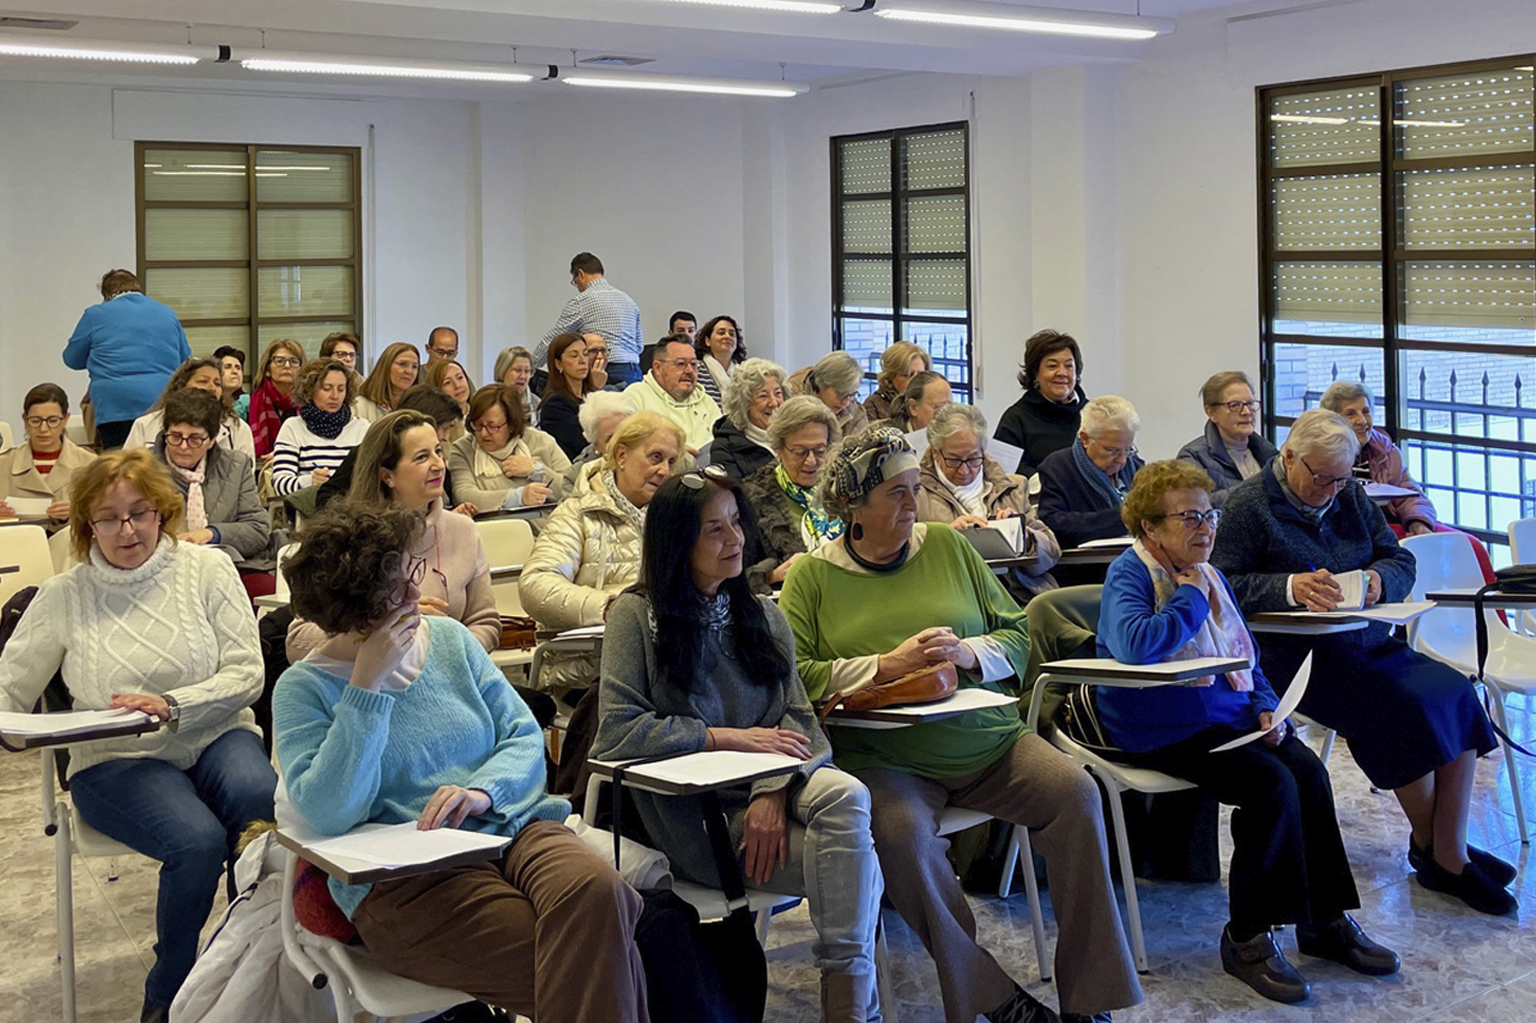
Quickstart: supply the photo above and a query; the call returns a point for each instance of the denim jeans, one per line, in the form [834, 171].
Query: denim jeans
[189, 821]
[624, 373]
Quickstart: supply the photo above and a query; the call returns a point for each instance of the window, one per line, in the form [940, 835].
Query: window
[1399, 248]
[901, 265]
[249, 243]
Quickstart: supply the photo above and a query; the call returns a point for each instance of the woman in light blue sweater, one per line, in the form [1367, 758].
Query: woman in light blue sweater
[399, 718]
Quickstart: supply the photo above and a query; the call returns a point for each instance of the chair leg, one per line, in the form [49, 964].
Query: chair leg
[1020, 842]
[764, 917]
[1509, 757]
[888, 1010]
[1127, 873]
[64, 900]
[1327, 749]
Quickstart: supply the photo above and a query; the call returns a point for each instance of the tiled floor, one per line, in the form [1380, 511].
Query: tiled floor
[1457, 965]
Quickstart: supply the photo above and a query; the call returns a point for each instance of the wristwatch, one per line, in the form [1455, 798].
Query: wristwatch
[175, 709]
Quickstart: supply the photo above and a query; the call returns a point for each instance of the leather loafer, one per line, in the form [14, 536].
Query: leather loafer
[1501, 872]
[1344, 942]
[1261, 965]
[1471, 886]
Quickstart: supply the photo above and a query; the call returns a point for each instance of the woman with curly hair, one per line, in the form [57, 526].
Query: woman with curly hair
[721, 347]
[312, 444]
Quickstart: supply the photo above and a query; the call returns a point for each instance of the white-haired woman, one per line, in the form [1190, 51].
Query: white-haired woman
[898, 365]
[1413, 725]
[790, 517]
[926, 393]
[741, 445]
[599, 417]
[1231, 449]
[835, 379]
[964, 486]
[1082, 487]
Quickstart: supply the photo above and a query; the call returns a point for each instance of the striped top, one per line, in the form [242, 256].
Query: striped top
[298, 452]
[601, 309]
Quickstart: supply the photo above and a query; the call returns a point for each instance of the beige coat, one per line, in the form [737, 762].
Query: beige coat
[587, 552]
[1001, 491]
[488, 491]
[20, 478]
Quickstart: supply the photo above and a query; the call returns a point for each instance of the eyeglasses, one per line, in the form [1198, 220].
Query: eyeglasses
[412, 576]
[973, 462]
[682, 363]
[486, 426]
[114, 525]
[444, 353]
[1323, 480]
[178, 440]
[1193, 520]
[802, 454]
[695, 480]
[38, 422]
[1239, 407]
[597, 353]
[1129, 452]
[286, 360]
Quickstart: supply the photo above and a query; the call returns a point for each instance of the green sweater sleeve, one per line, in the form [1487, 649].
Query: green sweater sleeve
[800, 600]
[1006, 621]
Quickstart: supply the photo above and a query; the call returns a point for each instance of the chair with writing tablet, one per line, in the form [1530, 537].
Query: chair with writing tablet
[25, 559]
[1522, 545]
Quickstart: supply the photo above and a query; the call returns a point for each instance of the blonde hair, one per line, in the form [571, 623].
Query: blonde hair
[636, 430]
[897, 359]
[137, 467]
[377, 387]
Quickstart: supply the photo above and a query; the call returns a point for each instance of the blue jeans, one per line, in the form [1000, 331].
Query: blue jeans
[624, 373]
[189, 821]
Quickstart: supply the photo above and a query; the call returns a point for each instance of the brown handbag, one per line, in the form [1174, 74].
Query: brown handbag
[925, 685]
[517, 633]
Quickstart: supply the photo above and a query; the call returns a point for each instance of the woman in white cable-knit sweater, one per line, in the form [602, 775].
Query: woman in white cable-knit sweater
[166, 628]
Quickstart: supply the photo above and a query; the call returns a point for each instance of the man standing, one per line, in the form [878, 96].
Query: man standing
[672, 388]
[600, 308]
[130, 344]
[442, 345]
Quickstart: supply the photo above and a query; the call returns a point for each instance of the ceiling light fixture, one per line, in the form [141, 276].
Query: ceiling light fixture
[377, 67]
[1008, 17]
[706, 86]
[125, 53]
[791, 6]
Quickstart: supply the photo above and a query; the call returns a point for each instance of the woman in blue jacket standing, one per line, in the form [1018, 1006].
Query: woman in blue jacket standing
[130, 344]
[1163, 602]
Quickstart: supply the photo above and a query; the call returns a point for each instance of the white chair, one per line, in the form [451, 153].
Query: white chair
[507, 542]
[62, 552]
[1449, 634]
[1522, 546]
[7, 437]
[25, 559]
[955, 818]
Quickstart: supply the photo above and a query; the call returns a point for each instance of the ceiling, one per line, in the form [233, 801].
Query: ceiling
[676, 38]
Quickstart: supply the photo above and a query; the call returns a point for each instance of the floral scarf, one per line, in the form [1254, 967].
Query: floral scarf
[816, 526]
[635, 515]
[197, 511]
[1222, 634]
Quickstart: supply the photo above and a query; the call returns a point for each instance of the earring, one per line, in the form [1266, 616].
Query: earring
[857, 532]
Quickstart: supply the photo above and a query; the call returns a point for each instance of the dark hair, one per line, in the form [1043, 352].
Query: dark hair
[381, 450]
[586, 263]
[431, 402]
[666, 578]
[313, 374]
[555, 382]
[914, 392]
[674, 339]
[700, 339]
[44, 394]
[348, 563]
[330, 341]
[497, 394]
[226, 351]
[1044, 343]
[681, 314]
[184, 372]
[195, 408]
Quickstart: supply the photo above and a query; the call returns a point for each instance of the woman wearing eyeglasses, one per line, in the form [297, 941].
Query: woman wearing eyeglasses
[1232, 448]
[44, 464]
[1413, 724]
[1163, 601]
[1081, 486]
[274, 399]
[503, 462]
[790, 516]
[156, 625]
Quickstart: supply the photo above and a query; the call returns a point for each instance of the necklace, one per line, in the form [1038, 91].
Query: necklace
[874, 566]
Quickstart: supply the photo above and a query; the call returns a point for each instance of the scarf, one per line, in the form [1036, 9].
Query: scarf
[488, 463]
[197, 512]
[757, 435]
[325, 424]
[1311, 514]
[970, 496]
[627, 508]
[816, 526]
[1111, 488]
[269, 407]
[720, 373]
[1222, 634]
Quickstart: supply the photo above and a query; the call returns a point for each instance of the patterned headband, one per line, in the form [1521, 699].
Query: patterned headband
[879, 455]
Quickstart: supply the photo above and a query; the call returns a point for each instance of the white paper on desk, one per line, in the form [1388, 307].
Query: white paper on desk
[712, 768]
[960, 702]
[584, 632]
[1111, 541]
[402, 845]
[1386, 490]
[29, 507]
[1400, 613]
[1288, 703]
[68, 722]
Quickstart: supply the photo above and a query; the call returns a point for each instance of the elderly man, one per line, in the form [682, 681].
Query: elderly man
[1083, 486]
[672, 388]
[442, 345]
[600, 308]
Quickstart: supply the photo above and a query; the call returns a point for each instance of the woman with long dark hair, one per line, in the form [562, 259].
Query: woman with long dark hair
[568, 386]
[693, 661]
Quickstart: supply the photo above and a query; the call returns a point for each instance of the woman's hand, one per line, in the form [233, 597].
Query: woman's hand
[760, 740]
[781, 573]
[466, 509]
[765, 836]
[1417, 528]
[1373, 589]
[59, 510]
[435, 606]
[155, 706]
[382, 651]
[1006, 513]
[927, 647]
[968, 522]
[197, 536]
[450, 805]
[514, 466]
[535, 493]
[1270, 738]
[1192, 576]
[319, 476]
[1316, 591]
[6, 511]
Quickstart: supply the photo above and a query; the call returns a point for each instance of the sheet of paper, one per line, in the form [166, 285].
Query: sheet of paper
[1110, 667]
[584, 632]
[963, 701]
[1113, 541]
[1007, 455]
[1386, 490]
[68, 722]
[1393, 614]
[1288, 703]
[401, 845]
[29, 507]
[919, 441]
[1012, 529]
[715, 767]
[1353, 584]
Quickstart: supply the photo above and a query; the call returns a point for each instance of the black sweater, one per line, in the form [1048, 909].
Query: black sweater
[1040, 426]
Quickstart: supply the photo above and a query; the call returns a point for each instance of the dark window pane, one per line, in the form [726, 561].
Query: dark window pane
[946, 344]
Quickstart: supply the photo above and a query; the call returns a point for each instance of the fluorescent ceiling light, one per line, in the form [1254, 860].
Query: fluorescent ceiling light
[127, 53]
[792, 6]
[325, 64]
[708, 86]
[1007, 17]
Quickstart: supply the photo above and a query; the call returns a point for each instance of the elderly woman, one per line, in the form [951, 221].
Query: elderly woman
[274, 393]
[589, 549]
[399, 717]
[1163, 601]
[693, 661]
[721, 347]
[397, 371]
[400, 462]
[898, 365]
[44, 464]
[514, 369]
[741, 445]
[964, 486]
[925, 394]
[600, 417]
[835, 379]
[893, 595]
[163, 627]
[313, 443]
[790, 517]
[204, 375]
[1045, 419]
[1414, 725]
[504, 462]
[1231, 449]
[1081, 486]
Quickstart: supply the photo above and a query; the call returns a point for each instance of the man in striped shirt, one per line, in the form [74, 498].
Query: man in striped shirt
[600, 308]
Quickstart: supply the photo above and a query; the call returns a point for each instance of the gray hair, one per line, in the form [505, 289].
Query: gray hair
[599, 405]
[1342, 392]
[745, 380]
[506, 357]
[797, 413]
[952, 419]
[1317, 430]
[837, 370]
[1109, 412]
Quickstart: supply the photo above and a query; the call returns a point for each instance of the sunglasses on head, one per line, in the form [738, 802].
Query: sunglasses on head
[694, 480]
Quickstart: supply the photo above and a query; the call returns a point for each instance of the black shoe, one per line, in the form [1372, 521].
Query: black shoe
[1077, 1017]
[1344, 942]
[1501, 872]
[1471, 886]
[1023, 1007]
[154, 1012]
[1261, 965]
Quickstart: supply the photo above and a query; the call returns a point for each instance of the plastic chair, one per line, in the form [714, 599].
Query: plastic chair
[25, 559]
[1449, 634]
[507, 542]
[1522, 545]
[7, 437]
[955, 818]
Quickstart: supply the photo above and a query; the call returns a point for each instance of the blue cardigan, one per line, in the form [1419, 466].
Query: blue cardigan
[351, 756]
[1133, 632]
[131, 346]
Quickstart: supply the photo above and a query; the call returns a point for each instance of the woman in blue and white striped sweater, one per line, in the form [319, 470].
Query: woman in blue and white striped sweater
[313, 443]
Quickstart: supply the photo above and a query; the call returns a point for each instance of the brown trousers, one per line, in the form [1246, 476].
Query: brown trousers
[547, 931]
[1032, 784]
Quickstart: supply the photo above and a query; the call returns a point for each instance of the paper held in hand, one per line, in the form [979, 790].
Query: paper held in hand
[1353, 584]
[29, 507]
[1288, 703]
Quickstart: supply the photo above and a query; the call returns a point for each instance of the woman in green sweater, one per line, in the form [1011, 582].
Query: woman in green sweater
[893, 595]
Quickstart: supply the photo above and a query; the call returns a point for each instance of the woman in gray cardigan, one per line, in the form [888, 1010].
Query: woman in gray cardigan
[693, 661]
